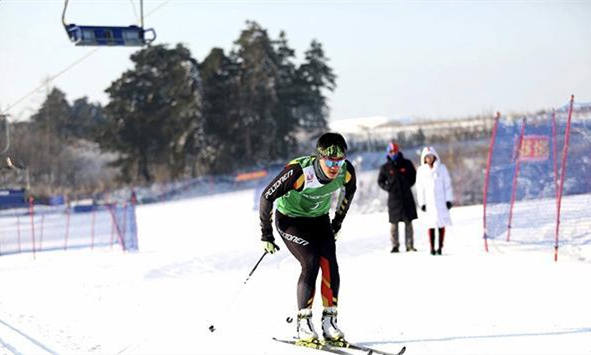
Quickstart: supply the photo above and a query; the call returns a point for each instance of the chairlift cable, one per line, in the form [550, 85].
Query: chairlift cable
[64, 12]
[141, 13]
[73, 64]
[158, 7]
[139, 20]
[52, 78]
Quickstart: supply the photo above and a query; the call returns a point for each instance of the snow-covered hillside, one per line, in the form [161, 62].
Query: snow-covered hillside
[195, 255]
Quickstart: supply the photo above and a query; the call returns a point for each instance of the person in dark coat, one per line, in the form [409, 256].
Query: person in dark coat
[397, 176]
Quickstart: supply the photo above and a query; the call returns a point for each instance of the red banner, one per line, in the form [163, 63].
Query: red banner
[534, 148]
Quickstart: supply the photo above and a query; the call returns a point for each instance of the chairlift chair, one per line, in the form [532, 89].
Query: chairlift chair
[109, 35]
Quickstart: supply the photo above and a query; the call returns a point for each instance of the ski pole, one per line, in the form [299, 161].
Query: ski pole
[255, 267]
[212, 327]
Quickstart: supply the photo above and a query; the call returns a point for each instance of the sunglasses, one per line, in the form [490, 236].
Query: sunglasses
[331, 163]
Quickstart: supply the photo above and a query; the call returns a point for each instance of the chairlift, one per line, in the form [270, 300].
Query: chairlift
[109, 35]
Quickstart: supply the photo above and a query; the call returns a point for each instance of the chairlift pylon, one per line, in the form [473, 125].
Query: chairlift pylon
[109, 35]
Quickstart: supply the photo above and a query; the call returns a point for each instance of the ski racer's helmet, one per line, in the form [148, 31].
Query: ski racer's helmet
[331, 145]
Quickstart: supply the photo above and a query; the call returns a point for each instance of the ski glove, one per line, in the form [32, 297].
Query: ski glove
[448, 204]
[270, 247]
[424, 208]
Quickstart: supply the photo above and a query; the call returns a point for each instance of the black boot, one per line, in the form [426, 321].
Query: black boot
[441, 238]
[394, 250]
[432, 240]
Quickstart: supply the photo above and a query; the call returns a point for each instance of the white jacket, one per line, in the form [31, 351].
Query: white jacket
[434, 190]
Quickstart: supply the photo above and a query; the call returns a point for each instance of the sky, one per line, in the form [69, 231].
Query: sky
[392, 58]
[191, 266]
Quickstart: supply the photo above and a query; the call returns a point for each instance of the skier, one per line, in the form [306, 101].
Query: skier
[434, 195]
[303, 192]
[397, 176]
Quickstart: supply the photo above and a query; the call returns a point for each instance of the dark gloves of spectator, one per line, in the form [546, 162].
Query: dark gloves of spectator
[448, 204]
[424, 208]
[387, 185]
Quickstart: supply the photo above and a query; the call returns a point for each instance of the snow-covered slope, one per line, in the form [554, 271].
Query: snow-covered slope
[196, 254]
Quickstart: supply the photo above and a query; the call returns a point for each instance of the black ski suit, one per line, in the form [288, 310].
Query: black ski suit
[311, 239]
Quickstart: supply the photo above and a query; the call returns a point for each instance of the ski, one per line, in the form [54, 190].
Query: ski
[336, 346]
[314, 345]
[347, 345]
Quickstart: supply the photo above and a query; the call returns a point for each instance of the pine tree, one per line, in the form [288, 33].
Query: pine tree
[55, 114]
[51, 127]
[87, 118]
[315, 76]
[258, 77]
[220, 111]
[154, 113]
[289, 97]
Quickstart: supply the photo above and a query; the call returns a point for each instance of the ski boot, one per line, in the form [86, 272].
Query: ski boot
[331, 333]
[305, 328]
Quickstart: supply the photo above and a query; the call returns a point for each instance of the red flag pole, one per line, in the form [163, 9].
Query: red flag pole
[31, 213]
[562, 175]
[491, 145]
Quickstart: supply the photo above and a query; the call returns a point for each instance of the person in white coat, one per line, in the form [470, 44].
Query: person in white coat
[434, 195]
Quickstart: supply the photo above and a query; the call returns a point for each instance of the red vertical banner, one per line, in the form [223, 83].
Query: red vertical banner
[32, 214]
[491, 145]
[518, 150]
[562, 175]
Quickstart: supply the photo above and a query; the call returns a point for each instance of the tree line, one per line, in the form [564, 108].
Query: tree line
[172, 117]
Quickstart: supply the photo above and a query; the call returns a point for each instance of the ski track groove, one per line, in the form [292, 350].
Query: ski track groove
[9, 347]
[22, 334]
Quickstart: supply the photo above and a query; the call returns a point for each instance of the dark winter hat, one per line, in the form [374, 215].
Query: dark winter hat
[331, 145]
[392, 150]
